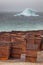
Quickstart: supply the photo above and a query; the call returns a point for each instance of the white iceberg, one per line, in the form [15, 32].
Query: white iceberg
[27, 12]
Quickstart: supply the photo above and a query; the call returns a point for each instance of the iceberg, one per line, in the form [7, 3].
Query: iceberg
[27, 12]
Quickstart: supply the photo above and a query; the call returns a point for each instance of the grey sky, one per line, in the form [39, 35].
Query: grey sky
[13, 5]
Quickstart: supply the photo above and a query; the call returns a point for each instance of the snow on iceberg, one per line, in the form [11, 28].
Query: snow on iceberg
[27, 12]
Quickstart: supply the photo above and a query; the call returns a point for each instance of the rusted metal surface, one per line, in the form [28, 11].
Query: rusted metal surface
[14, 44]
[30, 59]
[4, 51]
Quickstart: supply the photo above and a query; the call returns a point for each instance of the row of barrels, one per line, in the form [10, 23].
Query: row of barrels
[18, 45]
[11, 46]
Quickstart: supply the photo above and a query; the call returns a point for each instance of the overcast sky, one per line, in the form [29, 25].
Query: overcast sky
[16, 5]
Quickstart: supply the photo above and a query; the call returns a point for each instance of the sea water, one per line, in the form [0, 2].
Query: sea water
[9, 22]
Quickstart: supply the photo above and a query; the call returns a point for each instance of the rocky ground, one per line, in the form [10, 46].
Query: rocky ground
[13, 62]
